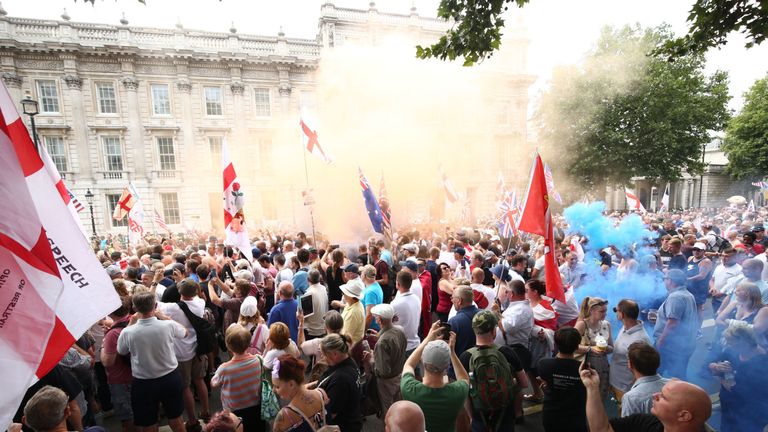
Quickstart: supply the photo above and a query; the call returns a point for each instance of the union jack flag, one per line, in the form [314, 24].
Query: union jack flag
[371, 205]
[511, 213]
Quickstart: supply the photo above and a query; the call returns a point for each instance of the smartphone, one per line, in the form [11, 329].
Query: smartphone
[446, 331]
[212, 274]
[585, 365]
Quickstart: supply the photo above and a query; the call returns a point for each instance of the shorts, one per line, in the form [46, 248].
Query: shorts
[121, 401]
[699, 294]
[146, 394]
[194, 368]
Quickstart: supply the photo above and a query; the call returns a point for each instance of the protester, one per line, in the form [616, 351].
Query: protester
[461, 323]
[339, 383]
[314, 325]
[334, 323]
[225, 421]
[407, 310]
[643, 362]
[564, 394]
[632, 330]
[285, 310]
[440, 401]
[304, 409]
[676, 326]
[404, 416]
[541, 342]
[48, 410]
[352, 311]
[279, 344]
[252, 321]
[596, 339]
[372, 295]
[445, 291]
[117, 367]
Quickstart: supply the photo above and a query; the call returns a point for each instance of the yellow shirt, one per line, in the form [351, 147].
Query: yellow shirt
[354, 321]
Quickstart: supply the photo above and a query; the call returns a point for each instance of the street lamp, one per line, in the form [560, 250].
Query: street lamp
[30, 108]
[89, 199]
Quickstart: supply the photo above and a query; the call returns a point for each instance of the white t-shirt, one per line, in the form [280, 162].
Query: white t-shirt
[488, 292]
[722, 273]
[185, 347]
[273, 354]
[151, 344]
[408, 311]
[417, 289]
[539, 265]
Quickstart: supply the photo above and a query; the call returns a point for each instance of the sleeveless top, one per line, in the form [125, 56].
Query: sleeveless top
[307, 424]
[749, 319]
[692, 270]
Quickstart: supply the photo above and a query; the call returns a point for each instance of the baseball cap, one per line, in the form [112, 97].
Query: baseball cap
[677, 276]
[249, 307]
[351, 267]
[410, 247]
[758, 228]
[410, 265]
[484, 321]
[700, 246]
[460, 251]
[488, 255]
[437, 356]
[383, 310]
[500, 272]
[114, 270]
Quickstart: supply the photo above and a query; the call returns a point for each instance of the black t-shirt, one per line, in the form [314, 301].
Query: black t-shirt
[58, 377]
[171, 294]
[565, 398]
[343, 409]
[334, 278]
[637, 423]
[679, 262]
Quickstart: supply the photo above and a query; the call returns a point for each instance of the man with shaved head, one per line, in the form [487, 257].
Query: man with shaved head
[404, 416]
[679, 406]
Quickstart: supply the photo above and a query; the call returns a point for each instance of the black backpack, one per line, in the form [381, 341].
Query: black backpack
[721, 244]
[206, 332]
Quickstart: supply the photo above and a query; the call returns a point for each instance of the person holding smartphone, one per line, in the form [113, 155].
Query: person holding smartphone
[564, 394]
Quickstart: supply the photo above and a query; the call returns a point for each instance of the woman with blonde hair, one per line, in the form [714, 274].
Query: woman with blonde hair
[596, 339]
[251, 319]
[744, 309]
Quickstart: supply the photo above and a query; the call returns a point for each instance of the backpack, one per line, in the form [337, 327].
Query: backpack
[254, 339]
[206, 332]
[721, 244]
[391, 288]
[121, 325]
[491, 385]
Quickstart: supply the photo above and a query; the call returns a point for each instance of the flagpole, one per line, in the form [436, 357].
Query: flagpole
[306, 179]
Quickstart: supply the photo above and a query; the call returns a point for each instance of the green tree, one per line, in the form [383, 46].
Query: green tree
[622, 113]
[746, 137]
[479, 24]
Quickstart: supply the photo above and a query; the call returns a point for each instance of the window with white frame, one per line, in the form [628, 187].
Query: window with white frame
[214, 146]
[48, 94]
[57, 151]
[165, 153]
[113, 200]
[161, 99]
[170, 207]
[263, 104]
[213, 101]
[106, 97]
[113, 153]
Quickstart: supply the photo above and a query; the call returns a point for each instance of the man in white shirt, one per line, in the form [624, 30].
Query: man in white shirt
[517, 267]
[191, 366]
[315, 324]
[725, 271]
[149, 338]
[412, 267]
[462, 264]
[572, 270]
[407, 310]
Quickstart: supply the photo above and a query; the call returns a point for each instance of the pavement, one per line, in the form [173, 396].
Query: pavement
[533, 410]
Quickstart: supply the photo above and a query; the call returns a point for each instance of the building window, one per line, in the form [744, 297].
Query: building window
[57, 151]
[165, 153]
[214, 146]
[113, 153]
[263, 108]
[48, 95]
[213, 101]
[161, 99]
[170, 207]
[107, 99]
[112, 201]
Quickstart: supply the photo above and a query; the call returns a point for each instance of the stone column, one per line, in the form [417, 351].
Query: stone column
[79, 122]
[134, 139]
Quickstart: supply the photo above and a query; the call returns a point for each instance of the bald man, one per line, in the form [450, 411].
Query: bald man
[679, 407]
[404, 416]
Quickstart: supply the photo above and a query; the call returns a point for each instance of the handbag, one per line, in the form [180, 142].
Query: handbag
[269, 403]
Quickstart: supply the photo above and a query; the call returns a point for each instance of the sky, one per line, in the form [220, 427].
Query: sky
[560, 31]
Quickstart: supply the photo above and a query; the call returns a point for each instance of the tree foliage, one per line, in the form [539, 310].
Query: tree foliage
[622, 113]
[746, 137]
[478, 26]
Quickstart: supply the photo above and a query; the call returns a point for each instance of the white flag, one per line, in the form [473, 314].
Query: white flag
[665, 200]
[633, 202]
[236, 233]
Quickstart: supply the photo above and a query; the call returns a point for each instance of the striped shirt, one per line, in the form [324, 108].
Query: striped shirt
[240, 382]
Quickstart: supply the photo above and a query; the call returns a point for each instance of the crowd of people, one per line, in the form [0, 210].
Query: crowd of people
[428, 332]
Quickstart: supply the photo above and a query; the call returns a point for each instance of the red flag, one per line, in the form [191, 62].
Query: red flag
[236, 233]
[537, 219]
[124, 204]
[52, 287]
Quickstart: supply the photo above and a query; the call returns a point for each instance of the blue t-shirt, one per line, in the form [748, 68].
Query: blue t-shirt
[372, 295]
[300, 282]
[386, 255]
[461, 324]
[285, 312]
[681, 306]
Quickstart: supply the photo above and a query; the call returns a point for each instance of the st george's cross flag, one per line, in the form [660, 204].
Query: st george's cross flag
[52, 287]
[236, 233]
[135, 219]
[633, 202]
[124, 204]
[536, 218]
[450, 192]
[371, 206]
[310, 140]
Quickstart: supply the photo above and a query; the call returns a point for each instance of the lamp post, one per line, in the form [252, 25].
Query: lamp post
[89, 199]
[30, 108]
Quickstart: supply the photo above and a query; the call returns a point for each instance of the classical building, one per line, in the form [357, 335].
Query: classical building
[152, 106]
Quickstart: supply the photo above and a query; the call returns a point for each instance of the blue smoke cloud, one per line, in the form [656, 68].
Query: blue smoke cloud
[630, 237]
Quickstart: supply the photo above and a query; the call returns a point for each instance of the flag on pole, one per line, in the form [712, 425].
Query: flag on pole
[761, 184]
[124, 204]
[386, 213]
[310, 141]
[450, 193]
[751, 206]
[160, 221]
[551, 185]
[236, 233]
[510, 215]
[665, 200]
[75, 202]
[536, 218]
[53, 287]
[633, 202]
[374, 211]
[135, 219]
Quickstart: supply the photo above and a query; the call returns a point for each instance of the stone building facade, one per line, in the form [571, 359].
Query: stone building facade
[152, 107]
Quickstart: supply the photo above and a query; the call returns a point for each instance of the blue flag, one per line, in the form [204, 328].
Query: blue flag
[374, 211]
